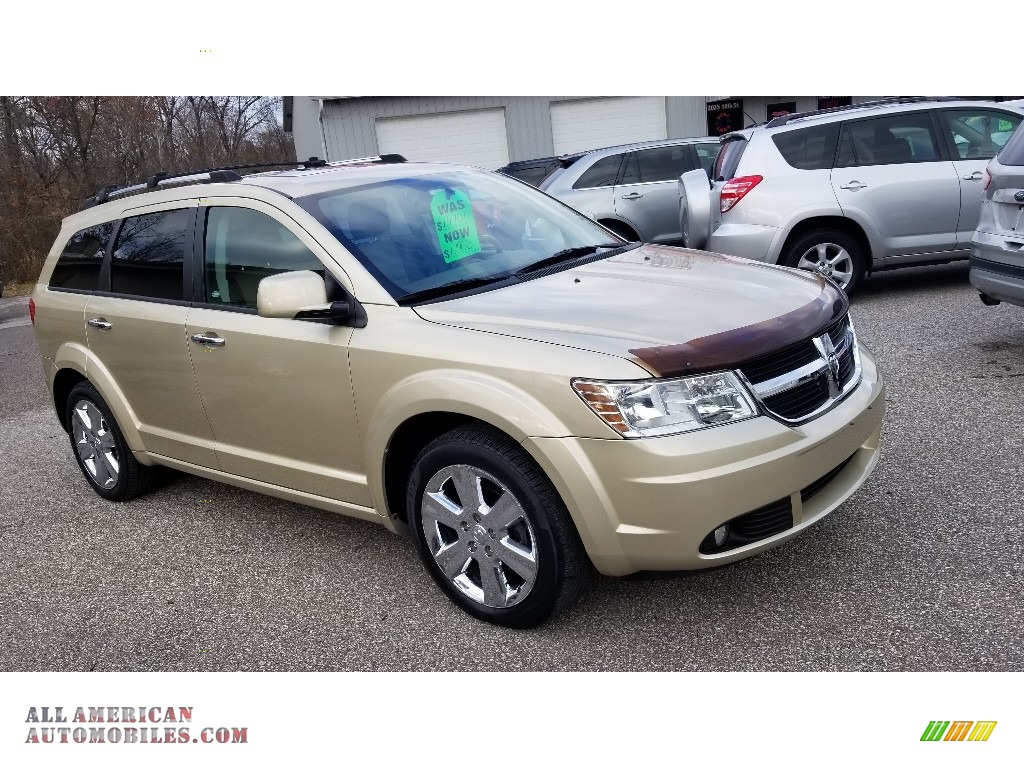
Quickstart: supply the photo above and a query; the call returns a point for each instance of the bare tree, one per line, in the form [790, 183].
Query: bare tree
[57, 150]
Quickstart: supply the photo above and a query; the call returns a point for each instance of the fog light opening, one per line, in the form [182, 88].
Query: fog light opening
[720, 534]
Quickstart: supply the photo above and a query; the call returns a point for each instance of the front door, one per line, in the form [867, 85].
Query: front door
[975, 137]
[277, 392]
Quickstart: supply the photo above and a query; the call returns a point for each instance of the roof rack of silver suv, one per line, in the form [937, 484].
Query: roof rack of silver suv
[227, 173]
[879, 103]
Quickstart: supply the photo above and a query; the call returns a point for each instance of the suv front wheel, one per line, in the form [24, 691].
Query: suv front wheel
[831, 252]
[491, 529]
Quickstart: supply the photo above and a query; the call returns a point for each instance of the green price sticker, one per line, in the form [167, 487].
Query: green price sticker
[455, 225]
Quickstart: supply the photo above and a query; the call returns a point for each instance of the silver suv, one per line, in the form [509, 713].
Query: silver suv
[631, 188]
[997, 258]
[848, 190]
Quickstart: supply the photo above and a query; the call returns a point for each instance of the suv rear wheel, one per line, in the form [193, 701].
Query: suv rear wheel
[830, 252]
[491, 529]
[100, 448]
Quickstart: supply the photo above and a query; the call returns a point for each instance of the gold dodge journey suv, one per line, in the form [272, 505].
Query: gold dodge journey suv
[453, 354]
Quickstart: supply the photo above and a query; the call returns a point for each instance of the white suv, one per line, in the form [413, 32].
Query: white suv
[849, 190]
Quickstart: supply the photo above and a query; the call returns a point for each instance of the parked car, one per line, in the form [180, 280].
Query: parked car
[997, 250]
[533, 172]
[631, 188]
[454, 355]
[852, 189]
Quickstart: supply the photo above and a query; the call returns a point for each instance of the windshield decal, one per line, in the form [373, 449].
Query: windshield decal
[455, 224]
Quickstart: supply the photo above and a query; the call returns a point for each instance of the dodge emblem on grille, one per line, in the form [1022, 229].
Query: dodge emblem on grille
[827, 351]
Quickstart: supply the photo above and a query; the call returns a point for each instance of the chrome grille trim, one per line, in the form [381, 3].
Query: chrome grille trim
[833, 347]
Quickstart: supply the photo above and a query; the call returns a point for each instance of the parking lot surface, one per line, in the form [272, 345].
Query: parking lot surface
[922, 569]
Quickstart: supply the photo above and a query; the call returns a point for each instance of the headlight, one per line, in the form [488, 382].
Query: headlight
[668, 406]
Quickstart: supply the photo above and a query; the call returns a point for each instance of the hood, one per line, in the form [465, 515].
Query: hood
[669, 309]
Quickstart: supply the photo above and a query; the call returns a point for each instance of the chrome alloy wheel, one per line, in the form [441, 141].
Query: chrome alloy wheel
[479, 536]
[829, 259]
[95, 444]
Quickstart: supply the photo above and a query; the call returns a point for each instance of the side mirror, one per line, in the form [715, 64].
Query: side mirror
[298, 295]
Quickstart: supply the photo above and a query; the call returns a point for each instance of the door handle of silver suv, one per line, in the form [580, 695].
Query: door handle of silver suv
[208, 339]
[853, 186]
[976, 176]
[632, 196]
[101, 323]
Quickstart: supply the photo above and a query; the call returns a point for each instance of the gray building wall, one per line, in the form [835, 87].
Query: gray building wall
[348, 123]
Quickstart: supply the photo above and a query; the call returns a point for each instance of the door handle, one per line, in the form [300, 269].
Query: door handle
[101, 323]
[208, 339]
[853, 186]
[976, 176]
[632, 196]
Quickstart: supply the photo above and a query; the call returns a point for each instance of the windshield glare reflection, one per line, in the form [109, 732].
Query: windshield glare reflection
[421, 233]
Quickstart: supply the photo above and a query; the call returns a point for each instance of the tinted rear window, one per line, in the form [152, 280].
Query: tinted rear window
[78, 267]
[728, 158]
[1013, 152]
[810, 148]
[601, 174]
[149, 256]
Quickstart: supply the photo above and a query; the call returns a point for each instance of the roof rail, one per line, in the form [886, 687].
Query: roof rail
[226, 173]
[879, 103]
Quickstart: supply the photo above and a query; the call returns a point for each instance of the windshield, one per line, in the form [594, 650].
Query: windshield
[459, 227]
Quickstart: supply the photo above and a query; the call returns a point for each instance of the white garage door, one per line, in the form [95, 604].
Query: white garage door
[594, 123]
[476, 138]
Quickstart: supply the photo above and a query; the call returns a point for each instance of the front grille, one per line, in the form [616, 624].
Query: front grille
[794, 383]
[795, 403]
[780, 362]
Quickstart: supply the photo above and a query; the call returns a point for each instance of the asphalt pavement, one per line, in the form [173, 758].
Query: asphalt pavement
[922, 569]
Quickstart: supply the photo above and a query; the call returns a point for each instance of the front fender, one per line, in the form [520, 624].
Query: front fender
[494, 401]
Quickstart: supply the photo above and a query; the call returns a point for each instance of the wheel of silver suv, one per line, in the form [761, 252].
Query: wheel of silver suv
[831, 253]
[491, 529]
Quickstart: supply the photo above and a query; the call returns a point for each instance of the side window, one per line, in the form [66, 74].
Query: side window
[244, 246]
[601, 174]
[149, 255]
[979, 134]
[902, 138]
[662, 163]
[808, 149]
[78, 267]
[706, 154]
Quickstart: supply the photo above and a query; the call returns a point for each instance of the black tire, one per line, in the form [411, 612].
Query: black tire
[93, 430]
[622, 230]
[507, 483]
[824, 244]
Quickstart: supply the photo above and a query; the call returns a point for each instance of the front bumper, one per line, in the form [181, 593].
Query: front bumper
[647, 504]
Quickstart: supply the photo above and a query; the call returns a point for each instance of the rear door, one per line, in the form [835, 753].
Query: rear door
[974, 137]
[892, 175]
[136, 330]
[647, 195]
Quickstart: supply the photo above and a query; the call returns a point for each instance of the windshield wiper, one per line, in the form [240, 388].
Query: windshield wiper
[567, 255]
[448, 288]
